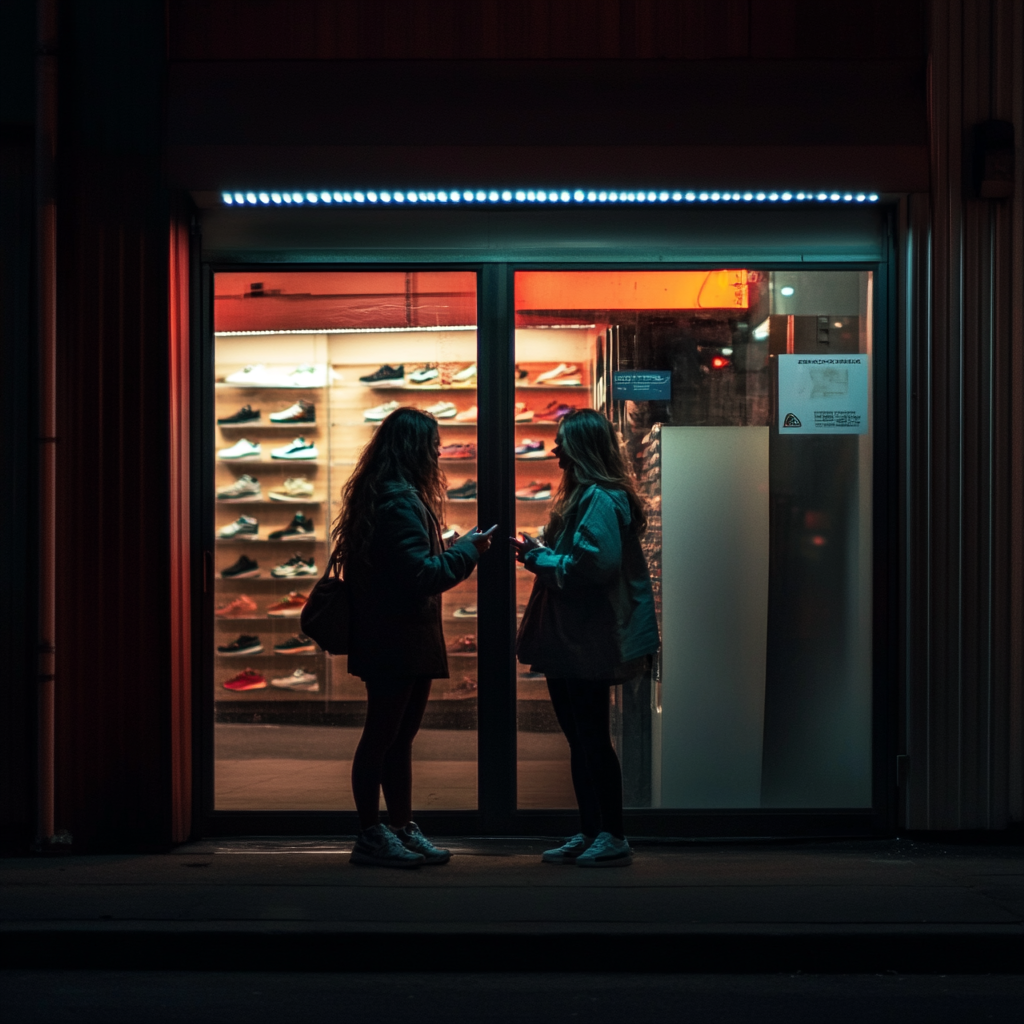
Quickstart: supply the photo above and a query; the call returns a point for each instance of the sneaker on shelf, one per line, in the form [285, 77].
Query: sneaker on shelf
[298, 644]
[555, 412]
[384, 376]
[295, 566]
[450, 534]
[243, 449]
[606, 852]
[299, 412]
[469, 612]
[253, 376]
[521, 375]
[243, 528]
[534, 491]
[413, 839]
[561, 370]
[244, 568]
[245, 644]
[298, 680]
[305, 376]
[568, 851]
[463, 690]
[466, 491]
[528, 449]
[524, 414]
[467, 415]
[465, 378]
[289, 608]
[380, 847]
[299, 449]
[442, 410]
[301, 527]
[244, 415]
[428, 374]
[295, 488]
[463, 645]
[458, 451]
[247, 679]
[379, 412]
[242, 607]
[245, 488]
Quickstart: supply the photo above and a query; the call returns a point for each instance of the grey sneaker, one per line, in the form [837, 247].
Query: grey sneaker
[606, 852]
[413, 839]
[568, 851]
[380, 847]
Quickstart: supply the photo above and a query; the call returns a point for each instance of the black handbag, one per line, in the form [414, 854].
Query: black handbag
[325, 615]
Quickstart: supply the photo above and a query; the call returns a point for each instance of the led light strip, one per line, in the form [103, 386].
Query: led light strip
[480, 197]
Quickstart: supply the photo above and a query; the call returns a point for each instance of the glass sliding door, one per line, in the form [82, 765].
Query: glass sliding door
[307, 364]
[742, 401]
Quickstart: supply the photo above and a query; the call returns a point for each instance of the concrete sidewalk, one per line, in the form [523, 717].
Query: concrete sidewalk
[299, 905]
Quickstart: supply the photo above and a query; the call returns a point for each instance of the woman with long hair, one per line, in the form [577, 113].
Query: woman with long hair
[388, 542]
[590, 622]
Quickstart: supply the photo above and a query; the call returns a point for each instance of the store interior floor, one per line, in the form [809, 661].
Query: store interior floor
[306, 768]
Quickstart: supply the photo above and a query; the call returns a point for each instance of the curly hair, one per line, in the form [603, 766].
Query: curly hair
[403, 449]
[595, 453]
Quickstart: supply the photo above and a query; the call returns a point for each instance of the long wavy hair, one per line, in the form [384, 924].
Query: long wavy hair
[403, 449]
[592, 446]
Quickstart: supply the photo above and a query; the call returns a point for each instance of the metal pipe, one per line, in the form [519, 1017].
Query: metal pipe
[46, 140]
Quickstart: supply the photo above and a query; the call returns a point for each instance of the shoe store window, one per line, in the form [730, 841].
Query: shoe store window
[306, 366]
[743, 402]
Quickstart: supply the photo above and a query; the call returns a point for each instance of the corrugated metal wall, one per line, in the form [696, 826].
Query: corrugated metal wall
[965, 443]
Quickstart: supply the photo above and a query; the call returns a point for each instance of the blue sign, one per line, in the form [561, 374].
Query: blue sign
[642, 385]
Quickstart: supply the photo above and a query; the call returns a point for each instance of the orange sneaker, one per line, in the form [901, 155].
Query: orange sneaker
[290, 607]
[247, 679]
[243, 607]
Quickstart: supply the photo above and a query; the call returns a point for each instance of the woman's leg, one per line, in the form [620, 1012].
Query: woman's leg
[396, 778]
[586, 794]
[385, 709]
[590, 710]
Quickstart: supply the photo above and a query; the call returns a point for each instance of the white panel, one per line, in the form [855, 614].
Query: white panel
[714, 614]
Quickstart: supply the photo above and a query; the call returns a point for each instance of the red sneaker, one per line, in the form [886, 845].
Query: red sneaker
[458, 451]
[289, 608]
[243, 607]
[463, 645]
[247, 679]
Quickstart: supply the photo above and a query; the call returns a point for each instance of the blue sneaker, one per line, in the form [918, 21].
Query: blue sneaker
[569, 851]
[380, 847]
[606, 852]
[413, 839]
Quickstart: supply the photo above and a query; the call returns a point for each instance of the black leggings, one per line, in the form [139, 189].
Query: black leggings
[383, 759]
[582, 709]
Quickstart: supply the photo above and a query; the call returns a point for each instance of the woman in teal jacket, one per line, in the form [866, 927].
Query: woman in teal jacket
[590, 622]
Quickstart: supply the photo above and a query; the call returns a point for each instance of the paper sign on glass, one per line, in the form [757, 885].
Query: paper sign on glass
[823, 394]
[642, 385]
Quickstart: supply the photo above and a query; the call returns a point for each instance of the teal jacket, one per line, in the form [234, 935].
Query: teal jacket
[592, 607]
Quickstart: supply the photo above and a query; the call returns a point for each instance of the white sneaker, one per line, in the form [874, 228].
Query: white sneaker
[295, 488]
[243, 528]
[466, 376]
[305, 376]
[561, 370]
[242, 450]
[569, 851]
[298, 680]
[469, 612]
[253, 376]
[380, 412]
[606, 852]
[425, 375]
[467, 415]
[441, 410]
[298, 450]
[523, 414]
[245, 488]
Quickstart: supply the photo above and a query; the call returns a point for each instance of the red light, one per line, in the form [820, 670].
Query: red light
[718, 362]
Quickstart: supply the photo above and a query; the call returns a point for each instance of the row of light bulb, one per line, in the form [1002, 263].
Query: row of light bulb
[535, 196]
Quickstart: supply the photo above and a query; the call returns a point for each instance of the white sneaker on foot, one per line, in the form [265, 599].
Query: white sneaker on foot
[606, 852]
[569, 851]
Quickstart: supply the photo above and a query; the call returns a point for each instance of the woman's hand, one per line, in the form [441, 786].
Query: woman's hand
[522, 544]
[480, 540]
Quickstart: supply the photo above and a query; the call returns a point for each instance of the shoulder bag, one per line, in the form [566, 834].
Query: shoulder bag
[325, 615]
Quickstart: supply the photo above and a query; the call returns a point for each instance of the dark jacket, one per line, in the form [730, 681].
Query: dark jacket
[395, 593]
[592, 606]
